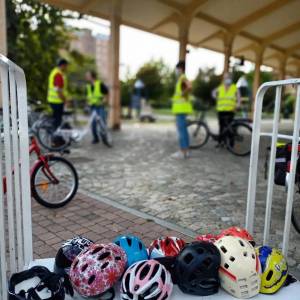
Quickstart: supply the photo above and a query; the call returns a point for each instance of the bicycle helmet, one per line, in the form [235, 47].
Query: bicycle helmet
[146, 280]
[67, 253]
[207, 237]
[240, 267]
[38, 283]
[166, 246]
[96, 270]
[238, 232]
[196, 269]
[133, 247]
[274, 269]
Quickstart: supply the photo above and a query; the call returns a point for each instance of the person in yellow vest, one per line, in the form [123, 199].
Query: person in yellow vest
[58, 90]
[228, 100]
[181, 107]
[97, 97]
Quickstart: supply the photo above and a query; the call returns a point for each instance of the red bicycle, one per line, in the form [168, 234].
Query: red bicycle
[53, 179]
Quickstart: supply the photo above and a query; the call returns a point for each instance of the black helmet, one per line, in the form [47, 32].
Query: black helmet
[51, 286]
[196, 269]
[67, 253]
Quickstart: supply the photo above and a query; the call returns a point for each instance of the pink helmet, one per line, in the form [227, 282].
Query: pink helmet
[97, 269]
[146, 279]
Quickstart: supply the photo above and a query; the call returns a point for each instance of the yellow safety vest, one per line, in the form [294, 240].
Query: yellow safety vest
[53, 96]
[95, 96]
[226, 100]
[180, 104]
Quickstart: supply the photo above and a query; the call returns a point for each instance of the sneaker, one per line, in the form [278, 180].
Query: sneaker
[95, 142]
[180, 155]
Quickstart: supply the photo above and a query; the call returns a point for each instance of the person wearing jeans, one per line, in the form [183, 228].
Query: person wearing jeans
[97, 94]
[181, 107]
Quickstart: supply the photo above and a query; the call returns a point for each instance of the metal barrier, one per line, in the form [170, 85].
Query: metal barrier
[256, 134]
[15, 198]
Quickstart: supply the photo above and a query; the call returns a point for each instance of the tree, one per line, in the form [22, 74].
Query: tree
[36, 33]
[203, 85]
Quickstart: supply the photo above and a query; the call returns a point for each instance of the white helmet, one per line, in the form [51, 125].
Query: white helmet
[240, 267]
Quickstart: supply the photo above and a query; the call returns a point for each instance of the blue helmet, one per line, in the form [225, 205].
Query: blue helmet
[134, 248]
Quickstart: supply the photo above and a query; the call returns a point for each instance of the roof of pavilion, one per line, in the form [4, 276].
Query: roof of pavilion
[272, 24]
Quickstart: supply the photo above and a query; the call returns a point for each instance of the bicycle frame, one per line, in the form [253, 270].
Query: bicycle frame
[79, 134]
[35, 148]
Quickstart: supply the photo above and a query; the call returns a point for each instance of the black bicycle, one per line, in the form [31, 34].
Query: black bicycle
[236, 137]
[296, 203]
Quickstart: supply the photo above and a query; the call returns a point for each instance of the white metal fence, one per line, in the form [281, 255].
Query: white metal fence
[15, 198]
[256, 135]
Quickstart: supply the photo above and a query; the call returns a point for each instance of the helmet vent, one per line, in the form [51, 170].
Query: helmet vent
[163, 276]
[97, 250]
[269, 276]
[127, 279]
[138, 268]
[200, 251]
[253, 256]
[144, 272]
[117, 243]
[84, 268]
[155, 270]
[118, 258]
[188, 258]
[140, 246]
[91, 279]
[157, 247]
[104, 255]
[242, 243]
[245, 253]
[207, 262]
[223, 249]
[129, 242]
[231, 258]
[104, 265]
[226, 266]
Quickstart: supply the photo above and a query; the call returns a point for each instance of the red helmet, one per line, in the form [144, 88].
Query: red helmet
[166, 246]
[97, 269]
[238, 232]
[211, 238]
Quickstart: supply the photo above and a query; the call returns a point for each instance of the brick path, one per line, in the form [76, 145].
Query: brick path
[93, 219]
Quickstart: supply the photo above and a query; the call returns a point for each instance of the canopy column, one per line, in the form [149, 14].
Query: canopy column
[282, 67]
[3, 39]
[258, 62]
[228, 42]
[114, 98]
[183, 26]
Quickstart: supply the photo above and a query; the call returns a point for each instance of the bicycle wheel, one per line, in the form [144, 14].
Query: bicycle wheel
[238, 138]
[105, 134]
[296, 213]
[54, 185]
[48, 139]
[198, 133]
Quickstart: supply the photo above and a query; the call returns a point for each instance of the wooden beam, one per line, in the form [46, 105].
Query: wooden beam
[217, 34]
[87, 5]
[294, 48]
[171, 18]
[212, 20]
[245, 48]
[258, 14]
[282, 32]
[173, 4]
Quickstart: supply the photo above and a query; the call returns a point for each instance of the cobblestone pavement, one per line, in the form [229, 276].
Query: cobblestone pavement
[93, 219]
[204, 193]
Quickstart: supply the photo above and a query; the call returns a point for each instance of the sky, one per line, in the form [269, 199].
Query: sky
[138, 47]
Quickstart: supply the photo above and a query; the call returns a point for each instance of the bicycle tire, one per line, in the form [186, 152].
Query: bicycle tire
[70, 195]
[296, 214]
[45, 134]
[232, 145]
[105, 134]
[198, 140]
